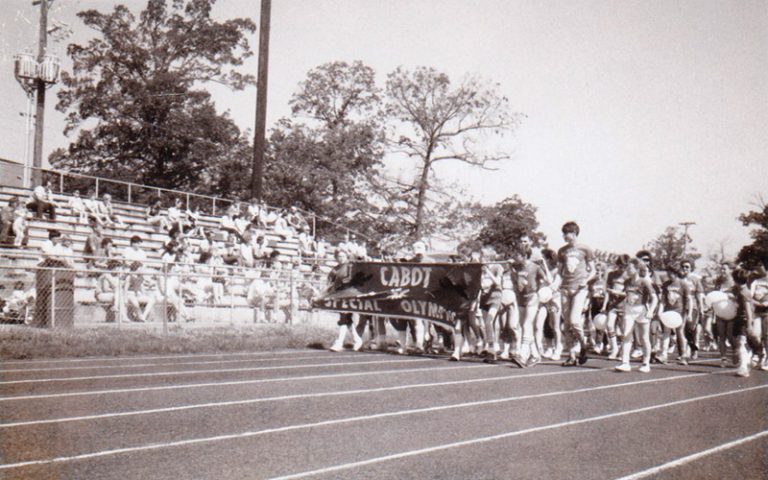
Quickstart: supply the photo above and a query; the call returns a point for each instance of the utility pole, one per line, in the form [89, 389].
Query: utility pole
[257, 166]
[685, 226]
[42, 44]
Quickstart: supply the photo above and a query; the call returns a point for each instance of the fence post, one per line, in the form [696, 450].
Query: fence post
[231, 302]
[119, 299]
[187, 201]
[97, 186]
[61, 182]
[314, 224]
[129, 193]
[53, 298]
[292, 305]
[165, 299]
[214, 206]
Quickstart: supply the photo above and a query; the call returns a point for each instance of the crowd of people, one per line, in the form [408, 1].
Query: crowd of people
[562, 305]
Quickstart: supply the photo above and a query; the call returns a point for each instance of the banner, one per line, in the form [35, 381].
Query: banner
[437, 292]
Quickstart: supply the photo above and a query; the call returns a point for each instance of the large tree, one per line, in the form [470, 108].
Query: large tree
[755, 253]
[671, 247]
[135, 99]
[507, 222]
[325, 157]
[438, 122]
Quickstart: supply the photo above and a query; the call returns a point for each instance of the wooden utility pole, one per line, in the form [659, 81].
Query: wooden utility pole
[37, 156]
[259, 141]
[685, 226]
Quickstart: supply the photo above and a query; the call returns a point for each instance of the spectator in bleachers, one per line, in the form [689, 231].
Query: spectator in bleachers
[281, 227]
[253, 213]
[94, 209]
[107, 289]
[93, 241]
[207, 247]
[297, 221]
[241, 226]
[109, 211]
[136, 293]
[261, 249]
[154, 216]
[7, 216]
[41, 201]
[268, 218]
[54, 251]
[307, 245]
[234, 209]
[191, 219]
[134, 253]
[14, 308]
[231, 251]
[77, 206]
[227, 224]
[175, 216]
[260, 296]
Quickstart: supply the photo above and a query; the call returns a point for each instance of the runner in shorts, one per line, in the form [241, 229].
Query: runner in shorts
[527, 276]
[759, 292]
[675, 297]
[640, 303]
[577, 267]
[742, 322]
[341, 274]
[695, 322]
[549, 312]
[613, 305]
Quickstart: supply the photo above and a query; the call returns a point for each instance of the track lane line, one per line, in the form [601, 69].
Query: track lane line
[196, 372]
[288, 397]
[156, 357]
[474, 441]
[173, 364]
[230, 383]
[692, 457]
[248, 434]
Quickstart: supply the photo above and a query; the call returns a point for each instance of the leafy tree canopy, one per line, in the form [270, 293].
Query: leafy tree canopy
[670, 248]
[756, 253]
[134, 94]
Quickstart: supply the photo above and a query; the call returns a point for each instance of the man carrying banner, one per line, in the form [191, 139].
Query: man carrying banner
[341, 274]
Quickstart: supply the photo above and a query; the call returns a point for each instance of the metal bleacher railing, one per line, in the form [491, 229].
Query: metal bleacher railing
[58, 292]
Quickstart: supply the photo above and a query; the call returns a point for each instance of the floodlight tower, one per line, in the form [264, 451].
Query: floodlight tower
[35, 76]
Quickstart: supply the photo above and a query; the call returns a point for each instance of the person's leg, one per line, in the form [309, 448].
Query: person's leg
[610, 327]
[530, 353]
[644, 331]
[575, 323]
[666, 335]
[722, 336]
[150, 304]
[344, 323]
[626, 345]
[538, 328]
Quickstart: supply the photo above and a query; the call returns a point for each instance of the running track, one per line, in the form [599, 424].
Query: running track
[315, 414]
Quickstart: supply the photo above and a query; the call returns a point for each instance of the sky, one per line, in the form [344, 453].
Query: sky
[638, 114]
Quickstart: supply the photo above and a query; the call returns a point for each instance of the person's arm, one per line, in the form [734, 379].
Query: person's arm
[653, 297]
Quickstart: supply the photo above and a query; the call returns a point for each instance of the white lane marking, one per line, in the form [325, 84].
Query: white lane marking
[516, 433]
[155, 357]
[234, 436]
[173, 364]
[234, 382]
[196, 372]
[289, 397]
[695, 456]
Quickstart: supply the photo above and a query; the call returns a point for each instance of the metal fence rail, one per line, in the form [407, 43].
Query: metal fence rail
[55, 295]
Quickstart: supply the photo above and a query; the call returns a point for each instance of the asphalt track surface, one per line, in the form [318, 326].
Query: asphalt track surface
[316, 414]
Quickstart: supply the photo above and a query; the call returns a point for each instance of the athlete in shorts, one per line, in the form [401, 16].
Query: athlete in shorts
[577, 267]
[341, 274]
[639, 304]
[550, 312]
[595, 305]
[759, 292]
[742, 322]
[675, 297]
[527, 276]
[613, 305]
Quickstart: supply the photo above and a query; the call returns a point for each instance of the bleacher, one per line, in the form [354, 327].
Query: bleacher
[19, 263]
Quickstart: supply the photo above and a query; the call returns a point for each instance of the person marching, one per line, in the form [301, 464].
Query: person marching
[759, 293]
[613, 305]
[527, 276]
[675, 297]
[550, 308]
[342, 273]
[639, 304]
[696, 300]
[577, 267]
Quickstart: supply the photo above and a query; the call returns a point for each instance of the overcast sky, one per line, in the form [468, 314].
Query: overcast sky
[640, 114]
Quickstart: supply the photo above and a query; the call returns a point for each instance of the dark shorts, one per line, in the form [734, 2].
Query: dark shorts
[490, 299]
[344, 319]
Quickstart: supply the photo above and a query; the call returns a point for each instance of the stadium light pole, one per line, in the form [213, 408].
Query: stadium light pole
[257, 165]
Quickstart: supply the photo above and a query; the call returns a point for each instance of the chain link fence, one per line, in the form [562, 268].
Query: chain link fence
[124, 294]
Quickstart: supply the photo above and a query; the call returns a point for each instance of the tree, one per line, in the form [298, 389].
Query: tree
[670, 248]
[326, 162]
[756, 253]
[507, 222]
[134, 94]
[438, 123]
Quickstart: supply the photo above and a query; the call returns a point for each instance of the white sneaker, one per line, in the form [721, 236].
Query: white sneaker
[557, 354]
[644, 368]
[548, 353]
[336, 348]
[623, 367]
[614, 355]
[400, 351]
[358, 344]
[636, 353]
[742, 372]
[505, 356]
